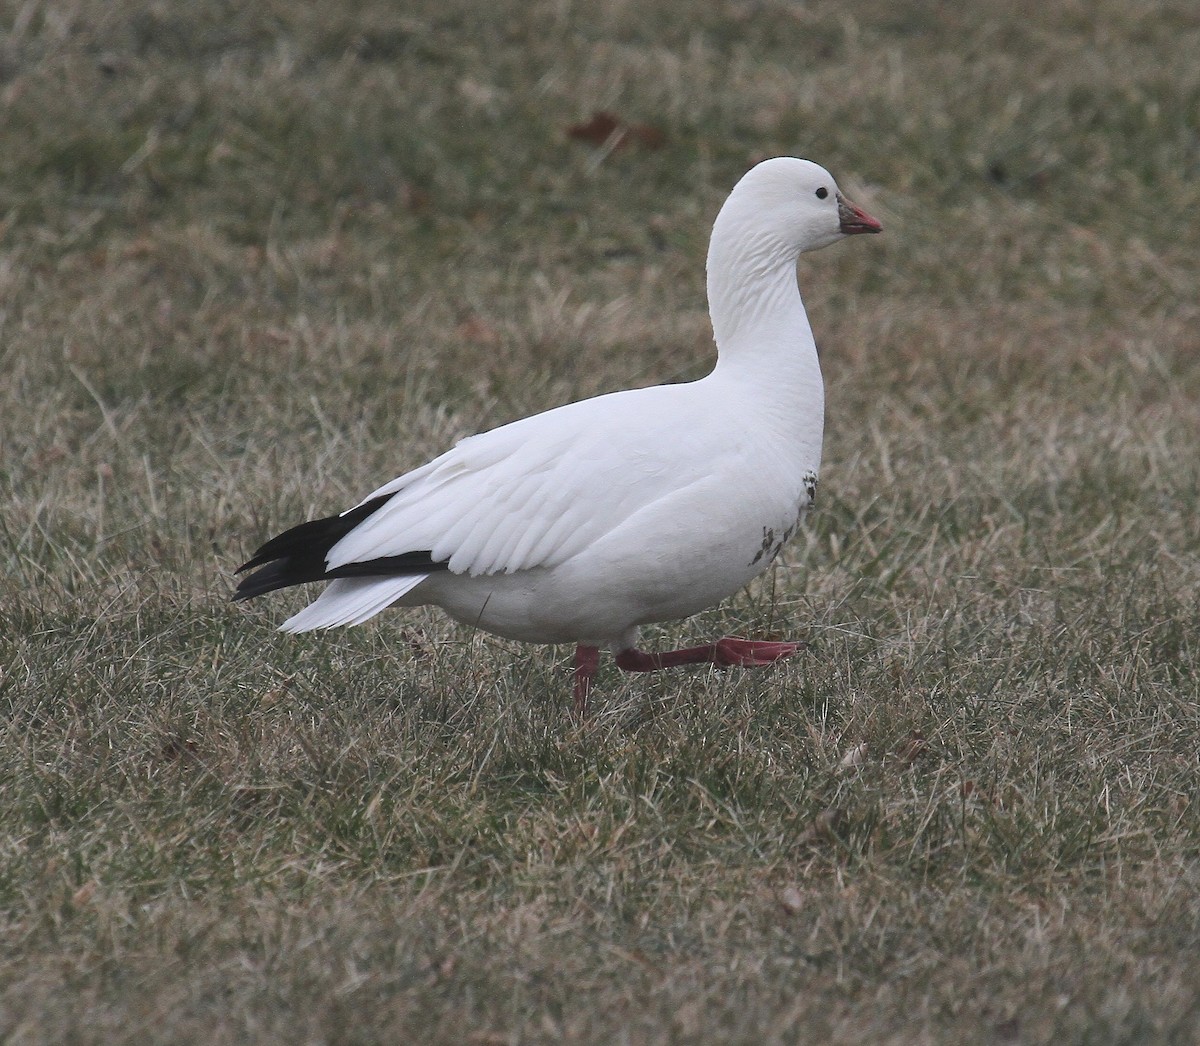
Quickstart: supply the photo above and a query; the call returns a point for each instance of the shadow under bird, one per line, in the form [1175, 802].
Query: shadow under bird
[585, 522]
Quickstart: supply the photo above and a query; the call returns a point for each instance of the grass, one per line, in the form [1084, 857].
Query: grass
[258, 258]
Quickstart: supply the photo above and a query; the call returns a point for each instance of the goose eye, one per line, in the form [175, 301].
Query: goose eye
[822, 193]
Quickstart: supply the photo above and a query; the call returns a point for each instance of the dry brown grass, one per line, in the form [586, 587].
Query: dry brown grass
[258, 258]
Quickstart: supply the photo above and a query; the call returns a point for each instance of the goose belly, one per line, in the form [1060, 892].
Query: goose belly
[653, 570]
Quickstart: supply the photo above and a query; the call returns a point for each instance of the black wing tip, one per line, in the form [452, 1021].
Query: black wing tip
[248, 588]
[298, 556]
[289, 572]
[280, 574]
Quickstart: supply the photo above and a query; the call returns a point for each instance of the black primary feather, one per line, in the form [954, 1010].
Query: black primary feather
[298, 556]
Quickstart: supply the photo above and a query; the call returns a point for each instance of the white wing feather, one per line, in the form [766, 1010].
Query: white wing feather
[533, 493]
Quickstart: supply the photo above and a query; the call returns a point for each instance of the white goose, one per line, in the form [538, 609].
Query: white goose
[581, 524]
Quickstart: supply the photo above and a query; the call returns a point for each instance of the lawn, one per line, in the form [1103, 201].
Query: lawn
[257, 259]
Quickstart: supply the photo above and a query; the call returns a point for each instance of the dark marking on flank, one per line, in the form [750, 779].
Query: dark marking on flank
[810, 487]
[771, 545]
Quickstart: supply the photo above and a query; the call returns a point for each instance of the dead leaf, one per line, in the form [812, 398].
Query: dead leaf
[595, 131]
[603, 128]
[477, 331]
[912, 749]
[84, 894]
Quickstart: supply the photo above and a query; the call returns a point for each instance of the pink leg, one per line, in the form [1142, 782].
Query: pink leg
[726, 653]
[587, 660]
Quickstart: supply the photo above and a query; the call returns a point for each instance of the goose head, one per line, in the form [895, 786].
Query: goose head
[795, 205]
[780, 209]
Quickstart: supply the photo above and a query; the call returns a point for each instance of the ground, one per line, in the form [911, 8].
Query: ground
[257, 259]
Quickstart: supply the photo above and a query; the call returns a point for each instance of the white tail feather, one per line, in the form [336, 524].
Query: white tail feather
[351, 601]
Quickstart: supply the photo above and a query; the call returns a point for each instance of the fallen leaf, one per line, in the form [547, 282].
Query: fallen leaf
[603, 128]
[595, 131]
[478, 331]
[912, 749]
